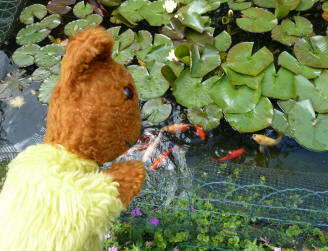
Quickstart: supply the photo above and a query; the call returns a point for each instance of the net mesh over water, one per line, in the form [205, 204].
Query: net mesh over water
[8, 12]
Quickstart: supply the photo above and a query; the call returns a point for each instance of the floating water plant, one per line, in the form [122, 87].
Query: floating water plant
[208, 116]
[156, 110]
[47, 87]
[35, 10]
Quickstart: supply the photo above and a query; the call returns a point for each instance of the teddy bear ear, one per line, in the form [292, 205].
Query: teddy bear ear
[92, 44]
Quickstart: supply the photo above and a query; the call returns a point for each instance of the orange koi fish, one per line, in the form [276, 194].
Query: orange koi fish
[200, 132]
[263, 140]
[177, 128]
[155, 165]
[231, 156]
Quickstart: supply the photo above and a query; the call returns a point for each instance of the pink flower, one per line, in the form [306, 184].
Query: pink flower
[154, 221]
[113, 248]
[148, 243]
[107, 236]
[175, 249]
[277, 249]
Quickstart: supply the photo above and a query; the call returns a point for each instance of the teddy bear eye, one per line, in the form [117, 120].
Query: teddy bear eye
[128, 91]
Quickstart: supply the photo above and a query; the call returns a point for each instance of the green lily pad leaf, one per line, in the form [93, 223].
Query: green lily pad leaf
[172, 70]
[56, 68]
[35, 10]
[114, 31]
[309, 130]
[47, 87]
[312, 53]
[40, 74]
[130, 10]
[222, 41]
[126, 39]
[283, 7]
[192, 92]
[94, 19]
[50, 22]
[286, 105]
[155, 14]
[160, 39]
[301, 27]
[111, 3]
[265, 3]
[318, 95]
[156, 110]
[142, 40]
[281, 36]
[289, 62]
[233, 99]
[208, 61]
[236, 78]
[24, 56]
[174, 30]
[280, 123]
[123, 57]
[191, 14]
[54, 49]
[46, 60]
[31, 34]
[207, 117]
[200, 39]
[60, 6]
[182, 52]
[158, 54]
[257, 20]
[240, 59]
[324, 6]
[278, 85]
[257, 119]
[149, 84]
[81, 10]
[305, 5]
[75, 26]
[239, 4]
[116, 18]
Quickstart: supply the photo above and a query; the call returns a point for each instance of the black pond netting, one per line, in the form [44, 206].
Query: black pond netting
[8, 12]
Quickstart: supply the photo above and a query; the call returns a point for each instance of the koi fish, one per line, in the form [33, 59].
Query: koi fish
[263, 140]
[200, 132]
[231, 156]
[155, 165]
[177, 128]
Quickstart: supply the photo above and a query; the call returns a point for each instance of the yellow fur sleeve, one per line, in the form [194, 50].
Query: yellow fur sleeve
[54, 200]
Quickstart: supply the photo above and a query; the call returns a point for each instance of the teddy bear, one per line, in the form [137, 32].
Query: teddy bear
[55, 196]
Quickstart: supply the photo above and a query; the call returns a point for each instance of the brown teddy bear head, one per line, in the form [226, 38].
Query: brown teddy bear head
[94, 108]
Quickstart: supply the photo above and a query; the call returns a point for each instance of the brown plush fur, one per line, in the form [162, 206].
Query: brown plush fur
[90, 115]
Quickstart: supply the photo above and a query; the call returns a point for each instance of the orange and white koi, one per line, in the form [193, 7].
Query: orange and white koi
[231, 156]
[263, 140]
[159, 160]
[200, 132]
[175, 128]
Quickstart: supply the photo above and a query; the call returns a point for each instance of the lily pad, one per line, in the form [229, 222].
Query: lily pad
[49, 55]
[305, 5]
[301, 27]
[125, 39]
[280, 123]
[257, 119]
[208, 61]
[160, 39]
[325, 6]
[309, 130]
[24, 56]
[158, 54]
[32, 33]
[200, 39]
[155, 14]
[182, 52]
[289, 62]
[281, 36]
[156, 110]
[192, 92]
[318, 95]
[94, 19]
[56, 68]
[207, 117]
[75, 26]
[283, 7]
[222, 41]
[278, 85]
[111, 3]
[130, 10]
[239, 4]
[233, 99]
[114, 31]
[191, 14]
[312, 52]
[46, 88]
[174, 30]
[35, 10]
[50, 22]
[123, 57]
[142, 40]
[53, 49]
[149, 84]
[265, 3]
[41, 74]
[82, 10]
[60, 6]
[286, 105]
[240, 59]
[257, 20]
[236, 78]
